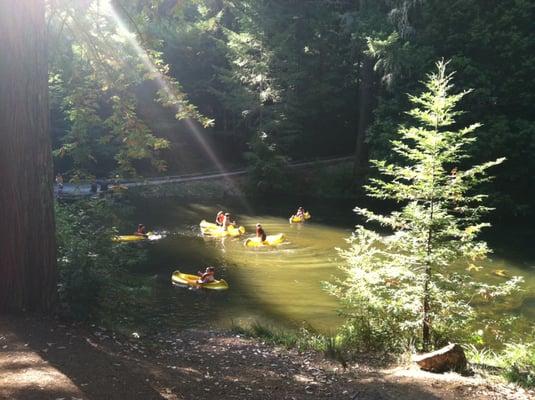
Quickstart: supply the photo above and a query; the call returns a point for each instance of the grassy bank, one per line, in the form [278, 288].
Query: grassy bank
[333, 347]
[516, 363]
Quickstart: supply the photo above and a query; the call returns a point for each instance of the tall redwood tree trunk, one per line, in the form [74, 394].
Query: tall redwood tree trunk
[27, 234]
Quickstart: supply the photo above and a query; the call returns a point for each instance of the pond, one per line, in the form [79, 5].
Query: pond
[279, 286]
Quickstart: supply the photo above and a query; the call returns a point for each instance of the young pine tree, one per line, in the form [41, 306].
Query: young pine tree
[410, 286]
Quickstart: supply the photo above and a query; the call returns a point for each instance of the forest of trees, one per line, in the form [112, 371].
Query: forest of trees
[146, 87]
[109, 89]
[281, 80]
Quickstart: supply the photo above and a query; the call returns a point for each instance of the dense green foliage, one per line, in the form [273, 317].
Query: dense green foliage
[408, 285]
[516, 360]
[95, 69]
[89, 261]
[286, 71]
[491, 45]
[146, 87]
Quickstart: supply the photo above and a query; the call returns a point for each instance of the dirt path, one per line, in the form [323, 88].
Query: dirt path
[47, 359]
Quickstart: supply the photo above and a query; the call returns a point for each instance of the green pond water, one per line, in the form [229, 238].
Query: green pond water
[280, 286]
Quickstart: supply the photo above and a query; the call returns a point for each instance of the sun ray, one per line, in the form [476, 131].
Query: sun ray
[129, 37]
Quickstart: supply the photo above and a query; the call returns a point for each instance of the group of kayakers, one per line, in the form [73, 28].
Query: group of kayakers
[223, 220]
[205, 276]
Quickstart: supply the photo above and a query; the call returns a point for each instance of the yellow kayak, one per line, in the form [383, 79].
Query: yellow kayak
[271, 240]
[208, 225]
[129, 238]
[294, 219]
[136, 238]
[192, 280]
[501, 272]
[208, 228]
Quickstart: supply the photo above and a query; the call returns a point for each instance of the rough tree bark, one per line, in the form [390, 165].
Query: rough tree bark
[27, 238]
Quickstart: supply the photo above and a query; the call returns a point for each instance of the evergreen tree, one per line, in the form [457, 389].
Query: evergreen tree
[485, 41]
[410, 280]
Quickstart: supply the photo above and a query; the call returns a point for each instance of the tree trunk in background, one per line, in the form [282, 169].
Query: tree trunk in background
[365, 103]
[27, 238]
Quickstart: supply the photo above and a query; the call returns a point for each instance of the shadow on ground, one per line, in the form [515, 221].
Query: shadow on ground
[47, 359]
[43, 359]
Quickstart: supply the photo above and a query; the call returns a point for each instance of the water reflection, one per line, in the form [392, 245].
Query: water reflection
[280, 284]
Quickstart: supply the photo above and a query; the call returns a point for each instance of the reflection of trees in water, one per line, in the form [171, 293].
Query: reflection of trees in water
[262, 281]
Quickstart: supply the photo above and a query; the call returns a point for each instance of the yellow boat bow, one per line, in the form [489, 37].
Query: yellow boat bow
[271, 240]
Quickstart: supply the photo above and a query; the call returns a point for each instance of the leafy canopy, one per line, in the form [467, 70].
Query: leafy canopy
[97, 68]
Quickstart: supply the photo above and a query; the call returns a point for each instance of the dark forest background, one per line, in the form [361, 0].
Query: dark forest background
[264, 82]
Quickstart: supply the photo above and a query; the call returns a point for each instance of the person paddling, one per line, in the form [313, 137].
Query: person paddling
[59, 183]
[141, 230]
[227, 221]
[260, 233]
[207, 276]
[300, 213]
[219, 218]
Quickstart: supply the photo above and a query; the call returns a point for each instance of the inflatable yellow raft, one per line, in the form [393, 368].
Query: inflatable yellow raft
[294, 219]
[210, 229]
[271, 240]
[180, 278]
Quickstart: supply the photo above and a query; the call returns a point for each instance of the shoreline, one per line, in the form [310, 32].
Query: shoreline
[43, 358]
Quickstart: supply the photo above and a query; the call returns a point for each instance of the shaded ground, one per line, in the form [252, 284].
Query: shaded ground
[47, 359]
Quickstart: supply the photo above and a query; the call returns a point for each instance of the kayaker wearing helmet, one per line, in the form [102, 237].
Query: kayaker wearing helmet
[219, 218]
[260, 232]
[207, 276]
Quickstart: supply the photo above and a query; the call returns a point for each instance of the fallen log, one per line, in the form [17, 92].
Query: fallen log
[448, 358]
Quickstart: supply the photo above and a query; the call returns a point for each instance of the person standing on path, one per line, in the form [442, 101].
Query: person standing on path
[59, 183]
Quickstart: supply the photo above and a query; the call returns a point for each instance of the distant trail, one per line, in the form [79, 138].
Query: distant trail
[84, 189]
